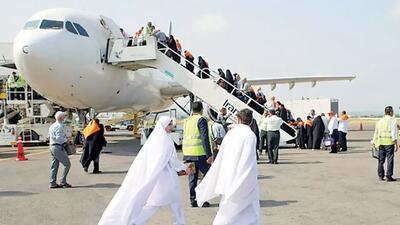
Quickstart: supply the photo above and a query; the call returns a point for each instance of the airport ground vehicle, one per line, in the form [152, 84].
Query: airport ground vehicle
[148, 126]
[26, 114]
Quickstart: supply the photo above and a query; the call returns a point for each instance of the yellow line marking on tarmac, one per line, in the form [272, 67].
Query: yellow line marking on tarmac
[30, 154]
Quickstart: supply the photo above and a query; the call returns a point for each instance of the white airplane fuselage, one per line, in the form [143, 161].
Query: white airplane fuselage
[69, 68]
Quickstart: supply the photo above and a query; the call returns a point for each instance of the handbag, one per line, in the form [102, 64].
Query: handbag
[328, 143]
[216, 143]
[70, 149]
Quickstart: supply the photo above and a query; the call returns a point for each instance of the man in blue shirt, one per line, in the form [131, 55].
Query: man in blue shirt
[58, 143]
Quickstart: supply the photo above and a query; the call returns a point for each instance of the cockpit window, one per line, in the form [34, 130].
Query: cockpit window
[30, 25]
[81, 30]
[52, 24]
[70, 27]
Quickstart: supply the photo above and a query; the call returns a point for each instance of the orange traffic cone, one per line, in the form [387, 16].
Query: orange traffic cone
[361, 126]
[20, 152]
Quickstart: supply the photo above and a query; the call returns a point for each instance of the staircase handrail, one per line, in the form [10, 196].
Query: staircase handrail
[215, 78]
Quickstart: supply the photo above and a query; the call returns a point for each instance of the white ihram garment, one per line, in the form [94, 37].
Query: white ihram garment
[150, 183]
[233, 176]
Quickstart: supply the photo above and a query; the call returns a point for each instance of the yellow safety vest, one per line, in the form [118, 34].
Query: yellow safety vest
[20, 82]
[192, 144]
[383, 132]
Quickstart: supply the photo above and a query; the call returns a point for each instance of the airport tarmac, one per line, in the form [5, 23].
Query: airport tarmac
[307, 187]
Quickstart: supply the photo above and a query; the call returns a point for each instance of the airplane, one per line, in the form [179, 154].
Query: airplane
[61, 54]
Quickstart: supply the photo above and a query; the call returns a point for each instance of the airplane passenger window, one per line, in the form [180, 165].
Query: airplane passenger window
[81, 30]
[52, 24]
[70, 27]
[30, 25]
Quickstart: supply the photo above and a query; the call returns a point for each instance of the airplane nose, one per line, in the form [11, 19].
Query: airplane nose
[28, 52]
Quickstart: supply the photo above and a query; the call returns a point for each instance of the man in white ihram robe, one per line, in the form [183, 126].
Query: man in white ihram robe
[150, 183]
[233, 176]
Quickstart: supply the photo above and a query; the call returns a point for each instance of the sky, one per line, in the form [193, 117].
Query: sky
[268, 38]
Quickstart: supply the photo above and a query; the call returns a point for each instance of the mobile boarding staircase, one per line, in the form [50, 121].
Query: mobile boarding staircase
[151, 56]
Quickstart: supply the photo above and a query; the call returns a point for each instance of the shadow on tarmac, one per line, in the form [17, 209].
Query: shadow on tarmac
[263, 177]
[314, 162]
[285, 162]
[114, 172]
[359, 140]
[7, 155]
[293, 153]
[100, 185]
[214, 205]
[273, 203]
[15, 193]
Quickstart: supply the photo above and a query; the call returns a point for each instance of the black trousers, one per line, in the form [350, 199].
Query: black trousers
[386, 151]
[202, 166]
[273, 144]
[335, 138]
[263, 139]
[343, 141]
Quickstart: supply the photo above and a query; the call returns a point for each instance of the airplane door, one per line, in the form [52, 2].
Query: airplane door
[109, 25]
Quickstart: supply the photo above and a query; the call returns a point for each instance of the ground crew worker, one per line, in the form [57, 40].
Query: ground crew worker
[147, 32]
[11, 85]
[385, 139]
[20, 85]
[196, 148]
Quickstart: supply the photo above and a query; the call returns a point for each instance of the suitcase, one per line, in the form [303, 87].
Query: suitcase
[328, 142]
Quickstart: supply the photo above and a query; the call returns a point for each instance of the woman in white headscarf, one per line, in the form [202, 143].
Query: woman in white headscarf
[151, 182]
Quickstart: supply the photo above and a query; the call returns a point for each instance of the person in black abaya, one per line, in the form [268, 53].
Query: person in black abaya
[301, 134]
[221, 82]
[230, 80]
[254, 127]
[92, 148]
[282, 112]
[172, 45]
[318, 129]
[204, 69]
[309, 132]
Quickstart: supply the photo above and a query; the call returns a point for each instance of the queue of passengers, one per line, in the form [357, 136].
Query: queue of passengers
[232, 83]
[320, 130]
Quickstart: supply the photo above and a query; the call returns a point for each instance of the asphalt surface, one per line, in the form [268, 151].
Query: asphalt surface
[307, 187]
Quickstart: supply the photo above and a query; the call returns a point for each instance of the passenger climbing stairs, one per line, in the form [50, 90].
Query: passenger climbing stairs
[151, 56]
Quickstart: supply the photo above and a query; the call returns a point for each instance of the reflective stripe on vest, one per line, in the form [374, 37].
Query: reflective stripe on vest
[384, 133]
[192, 144]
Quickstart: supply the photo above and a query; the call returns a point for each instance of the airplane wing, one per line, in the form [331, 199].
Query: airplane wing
[293, 80]
[8, 64]
[6, 55]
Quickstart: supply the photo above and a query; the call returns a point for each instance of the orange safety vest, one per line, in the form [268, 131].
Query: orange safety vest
[90, 129]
